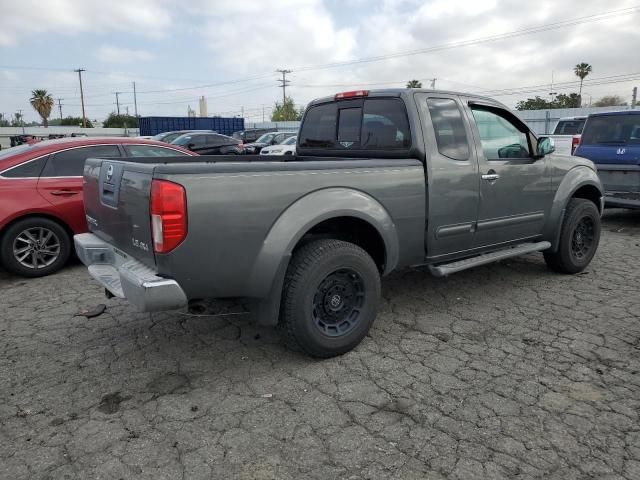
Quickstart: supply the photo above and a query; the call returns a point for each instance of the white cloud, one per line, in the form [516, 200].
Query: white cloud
[112, 54]
[25, 17]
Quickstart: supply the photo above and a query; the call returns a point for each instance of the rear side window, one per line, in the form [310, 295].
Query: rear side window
[451, 136]
[70, 163]
[569, 127]
[612, 130]
[29, 169]
[378, 124]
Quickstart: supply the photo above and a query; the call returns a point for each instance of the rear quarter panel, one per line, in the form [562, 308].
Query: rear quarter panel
[232, 208]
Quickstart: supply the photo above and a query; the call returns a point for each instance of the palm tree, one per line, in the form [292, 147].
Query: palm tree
[581, 70]
[42, 102]
[414, 84]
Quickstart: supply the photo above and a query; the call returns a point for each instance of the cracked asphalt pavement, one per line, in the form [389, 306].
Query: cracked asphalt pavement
[504, 371]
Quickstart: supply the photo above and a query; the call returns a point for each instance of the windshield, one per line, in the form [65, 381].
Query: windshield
[171, 137]
[570, 127]
[612, 130]
[182, 140]
[289, 141]
[266, 138]
[14, 150]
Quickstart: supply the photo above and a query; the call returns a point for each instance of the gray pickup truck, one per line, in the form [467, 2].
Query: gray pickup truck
[382, 180]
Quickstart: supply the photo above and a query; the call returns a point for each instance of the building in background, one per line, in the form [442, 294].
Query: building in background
[203, 107]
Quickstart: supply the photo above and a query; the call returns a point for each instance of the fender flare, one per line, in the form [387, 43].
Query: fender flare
[573, 180]
[269, 269]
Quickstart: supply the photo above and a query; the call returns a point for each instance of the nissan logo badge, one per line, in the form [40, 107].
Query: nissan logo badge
[109, 173]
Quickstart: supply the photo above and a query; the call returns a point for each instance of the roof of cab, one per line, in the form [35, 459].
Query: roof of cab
[398, 92]
[616, 112]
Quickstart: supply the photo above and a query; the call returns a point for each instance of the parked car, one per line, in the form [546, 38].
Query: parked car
[273, 138]
[41, 197]
[169, 137]
[382, 180]
[566, 135]
[251, 134]
[287, 147]
[209, 144]
[612, 141]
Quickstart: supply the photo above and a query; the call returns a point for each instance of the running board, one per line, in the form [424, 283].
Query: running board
[448, 268]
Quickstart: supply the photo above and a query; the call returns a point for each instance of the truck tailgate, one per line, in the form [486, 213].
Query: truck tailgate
[116, 202]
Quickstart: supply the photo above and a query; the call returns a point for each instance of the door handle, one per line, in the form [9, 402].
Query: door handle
[491, 177]
[63, 193]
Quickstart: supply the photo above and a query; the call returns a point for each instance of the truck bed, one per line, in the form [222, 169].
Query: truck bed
[229, 219]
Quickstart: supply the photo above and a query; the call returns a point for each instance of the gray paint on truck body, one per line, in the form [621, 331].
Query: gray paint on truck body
[246, 215]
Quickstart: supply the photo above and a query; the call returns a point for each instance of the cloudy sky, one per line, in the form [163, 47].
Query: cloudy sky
[228, 51]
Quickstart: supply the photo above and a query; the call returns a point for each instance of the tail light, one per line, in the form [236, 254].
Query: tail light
[575, 141]
[352, 94]
[168, 215]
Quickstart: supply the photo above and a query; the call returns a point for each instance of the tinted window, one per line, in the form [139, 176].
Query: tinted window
[70, 163]
[27, 169]
[448, 126]
[319, 127]
[150, 151]
[500, 137]
[380, 124]
[612, 130]
[569, 127]
[385, 125]
[349, 123]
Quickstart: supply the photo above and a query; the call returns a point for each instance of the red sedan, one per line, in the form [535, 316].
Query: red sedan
[41, 197]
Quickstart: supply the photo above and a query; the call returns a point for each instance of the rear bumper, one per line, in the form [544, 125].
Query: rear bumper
[126, 277]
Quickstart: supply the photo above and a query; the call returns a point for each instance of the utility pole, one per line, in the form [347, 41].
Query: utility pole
[634, 97]
[127, 110]
[433, 83]
[118, 101]
[263, 113]
[135, 100]
[283, 83]
[60, 106]
[84, 118]
[552, 93]
[20, 120]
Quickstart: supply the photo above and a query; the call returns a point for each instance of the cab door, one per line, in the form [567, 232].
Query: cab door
[60, 182]
[515, 186]
[452, 176]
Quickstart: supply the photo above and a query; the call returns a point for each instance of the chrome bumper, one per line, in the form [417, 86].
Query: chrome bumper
[127, 278]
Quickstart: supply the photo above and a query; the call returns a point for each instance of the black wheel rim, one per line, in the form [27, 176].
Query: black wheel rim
[338, 302]
[36, 248]
[583, 238]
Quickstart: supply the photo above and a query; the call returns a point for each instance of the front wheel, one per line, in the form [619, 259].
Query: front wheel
[330, 297]
[579, 238]
[35, 247]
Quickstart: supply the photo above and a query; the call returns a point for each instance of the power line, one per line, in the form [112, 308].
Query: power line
[476, 41]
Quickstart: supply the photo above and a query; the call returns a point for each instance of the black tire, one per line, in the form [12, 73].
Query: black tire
[330, 297]
[579, 238]
[48, 257]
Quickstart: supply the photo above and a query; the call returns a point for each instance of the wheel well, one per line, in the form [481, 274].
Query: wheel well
[42, 215]
[589, 192]
[354, 230]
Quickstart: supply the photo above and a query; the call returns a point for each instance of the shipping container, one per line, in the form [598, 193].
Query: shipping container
[224, 125]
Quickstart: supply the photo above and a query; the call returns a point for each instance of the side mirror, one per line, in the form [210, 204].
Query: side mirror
[190, 146]
[545, 146]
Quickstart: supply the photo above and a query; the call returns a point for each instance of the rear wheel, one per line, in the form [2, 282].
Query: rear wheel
[35, 247]
[579, 238]
[330, 298]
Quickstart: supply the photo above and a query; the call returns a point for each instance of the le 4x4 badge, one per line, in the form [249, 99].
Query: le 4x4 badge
[346, 144]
